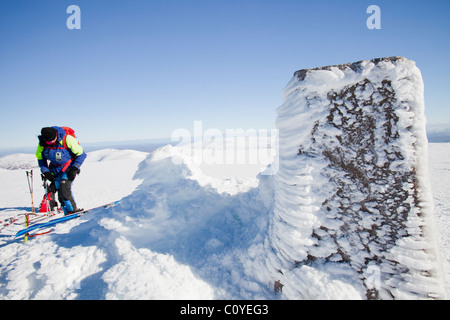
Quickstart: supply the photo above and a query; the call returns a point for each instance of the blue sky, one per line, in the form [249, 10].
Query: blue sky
[140, 69]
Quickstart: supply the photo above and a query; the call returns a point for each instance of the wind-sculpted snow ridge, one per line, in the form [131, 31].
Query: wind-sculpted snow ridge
[352, 203]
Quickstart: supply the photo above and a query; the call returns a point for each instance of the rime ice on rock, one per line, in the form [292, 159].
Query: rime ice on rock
[352, 196]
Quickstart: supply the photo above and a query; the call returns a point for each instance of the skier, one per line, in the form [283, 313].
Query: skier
[60, 157]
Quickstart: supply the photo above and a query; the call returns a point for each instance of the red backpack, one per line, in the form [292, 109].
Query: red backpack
[48, 203]
[70, 132]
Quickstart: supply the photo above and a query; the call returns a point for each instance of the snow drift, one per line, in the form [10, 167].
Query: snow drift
[352, 201]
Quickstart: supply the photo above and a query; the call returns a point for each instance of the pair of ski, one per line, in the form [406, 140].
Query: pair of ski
[7, 222]
[38, 217]
[36, 226]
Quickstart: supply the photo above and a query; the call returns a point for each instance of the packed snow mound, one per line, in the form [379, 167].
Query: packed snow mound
[352, 196]
[176, 212]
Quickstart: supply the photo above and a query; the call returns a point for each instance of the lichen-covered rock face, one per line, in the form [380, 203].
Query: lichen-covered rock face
[352, 197]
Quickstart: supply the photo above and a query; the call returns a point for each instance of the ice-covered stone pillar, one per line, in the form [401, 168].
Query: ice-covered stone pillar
[353, 204]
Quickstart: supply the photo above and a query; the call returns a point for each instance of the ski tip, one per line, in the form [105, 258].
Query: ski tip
[25, 231]
[112, 204]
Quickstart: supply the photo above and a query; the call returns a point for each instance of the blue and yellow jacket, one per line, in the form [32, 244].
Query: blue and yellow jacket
[60, 158]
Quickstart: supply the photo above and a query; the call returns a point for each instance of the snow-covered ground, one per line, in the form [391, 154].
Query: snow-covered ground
[439, 162]
[179, 232]
[176, 234]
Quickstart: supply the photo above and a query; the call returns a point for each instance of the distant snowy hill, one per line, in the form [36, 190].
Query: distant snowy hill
[18, 161]
[438, 132]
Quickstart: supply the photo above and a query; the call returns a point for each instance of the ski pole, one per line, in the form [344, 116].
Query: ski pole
[30, 186]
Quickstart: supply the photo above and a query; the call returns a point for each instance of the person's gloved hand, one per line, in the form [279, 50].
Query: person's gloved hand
[52, 187]
[72, 173]
[49, 176]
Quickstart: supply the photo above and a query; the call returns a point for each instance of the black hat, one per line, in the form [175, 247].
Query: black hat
[49, 134]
